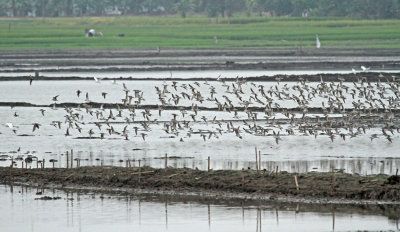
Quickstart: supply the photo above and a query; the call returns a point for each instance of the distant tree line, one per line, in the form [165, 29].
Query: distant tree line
[366, 9]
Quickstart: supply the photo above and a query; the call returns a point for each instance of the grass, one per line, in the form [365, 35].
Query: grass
[145, 32]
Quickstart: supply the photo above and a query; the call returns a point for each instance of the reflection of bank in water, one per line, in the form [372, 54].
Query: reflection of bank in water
[149, 212]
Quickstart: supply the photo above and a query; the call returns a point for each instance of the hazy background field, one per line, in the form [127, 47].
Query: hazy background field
[197, 32]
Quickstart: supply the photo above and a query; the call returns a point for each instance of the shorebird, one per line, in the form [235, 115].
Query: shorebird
[78, 93]
[10, 125]
[365, 69]
[144, 136]
[42, 111]
[35, 126]
[87, 97]
[67, 132]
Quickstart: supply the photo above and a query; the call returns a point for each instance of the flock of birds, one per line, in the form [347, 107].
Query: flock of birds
[346, 110]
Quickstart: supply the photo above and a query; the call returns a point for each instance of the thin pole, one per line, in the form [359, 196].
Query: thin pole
[139, 171]
[243, 177]
[11, 167]
[67, 160]
[72, 158]
[297, 183]
[166, 161]
[256, 159]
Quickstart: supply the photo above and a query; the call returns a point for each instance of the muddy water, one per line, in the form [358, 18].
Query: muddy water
[88, 211]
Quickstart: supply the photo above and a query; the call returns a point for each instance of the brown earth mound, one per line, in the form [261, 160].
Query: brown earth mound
[310, 185]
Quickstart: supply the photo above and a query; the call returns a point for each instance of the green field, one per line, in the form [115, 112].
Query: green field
[146, 32]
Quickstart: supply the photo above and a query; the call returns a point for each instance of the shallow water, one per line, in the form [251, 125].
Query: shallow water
[297, 153]
[88, 211]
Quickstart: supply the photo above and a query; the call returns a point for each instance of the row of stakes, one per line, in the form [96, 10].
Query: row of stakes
[128, 163]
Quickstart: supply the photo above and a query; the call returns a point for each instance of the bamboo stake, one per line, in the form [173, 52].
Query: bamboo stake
[43, 163]
[243, 177]
[139, 172]
[11, 167]
[297, 183]
[22, 163]
[166, 161]
[129, 163]
[256, 160]
[208, 169]
[72, 158]
[170, 176]
[397, 171]
[333, 178]
[37, 163]
[259, 160]
[276, 170]
[67, 160]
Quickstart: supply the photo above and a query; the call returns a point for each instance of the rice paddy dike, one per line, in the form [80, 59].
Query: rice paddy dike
[168, 59]
[312, 187]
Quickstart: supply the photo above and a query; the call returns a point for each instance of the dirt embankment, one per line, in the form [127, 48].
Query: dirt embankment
[198, 59]
[365, 76]
[311, 186]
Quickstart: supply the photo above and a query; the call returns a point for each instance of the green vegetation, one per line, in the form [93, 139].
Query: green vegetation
[361, 9]
[146, 32]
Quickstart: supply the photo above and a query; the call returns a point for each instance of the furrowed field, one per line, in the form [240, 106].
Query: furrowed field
[145, 32]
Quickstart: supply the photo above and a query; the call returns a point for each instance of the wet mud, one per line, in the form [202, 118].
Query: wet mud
[199, 59]
[264, 184]
[326, 77]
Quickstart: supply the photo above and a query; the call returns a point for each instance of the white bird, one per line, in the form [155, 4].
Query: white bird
[318, 43]
[96, 79]
[10, 125]
[364, 69]
[354, 71]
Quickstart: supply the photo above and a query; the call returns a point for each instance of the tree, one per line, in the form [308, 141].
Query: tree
[69, 8]
[183, 6]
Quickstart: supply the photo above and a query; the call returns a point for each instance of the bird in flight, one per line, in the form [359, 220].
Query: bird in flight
[35, 126]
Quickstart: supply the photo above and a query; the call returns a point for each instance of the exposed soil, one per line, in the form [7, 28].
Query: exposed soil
[313, 187]
[367, 76]
[201, 59]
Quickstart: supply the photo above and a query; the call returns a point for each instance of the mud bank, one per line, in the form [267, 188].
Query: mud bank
[366, 76]
[331, 187]
[179, 52]
[200, 59]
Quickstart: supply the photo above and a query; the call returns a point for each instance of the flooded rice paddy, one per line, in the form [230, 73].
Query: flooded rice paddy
[298, 127]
